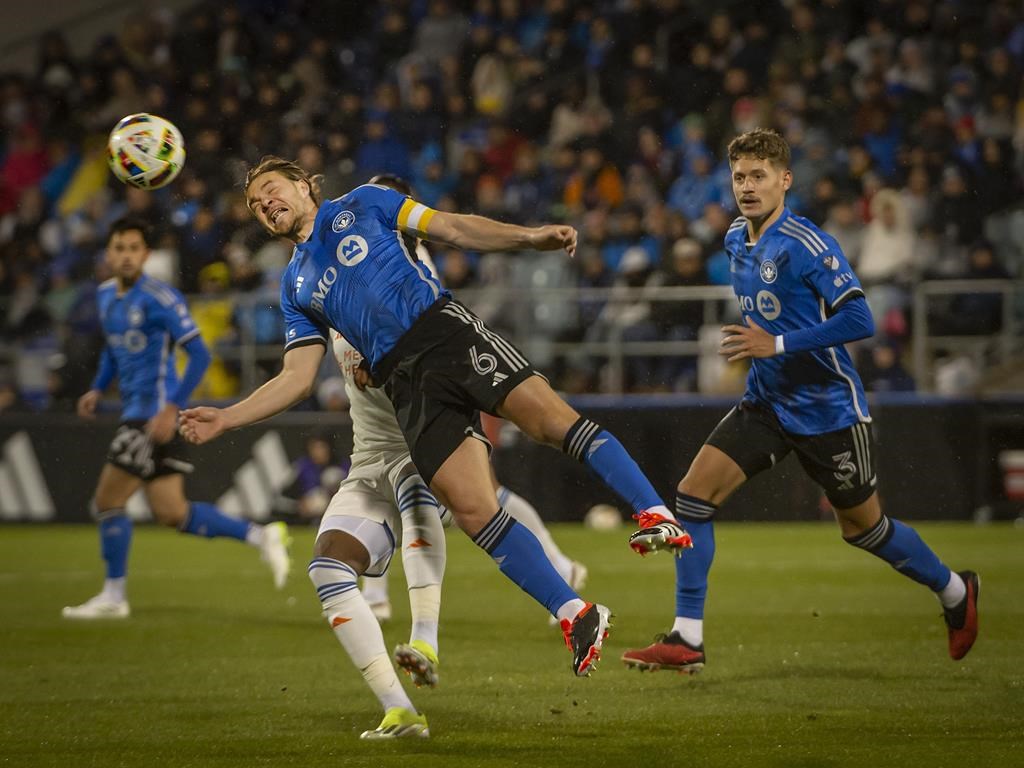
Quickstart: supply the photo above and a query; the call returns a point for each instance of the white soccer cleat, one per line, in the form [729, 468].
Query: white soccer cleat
[658, 533]
[98, 607]
[274, 552]
[398, 723]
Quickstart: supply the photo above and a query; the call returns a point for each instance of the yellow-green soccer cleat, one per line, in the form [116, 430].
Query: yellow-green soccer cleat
[274, 552]
[398, 723]
[419, 661]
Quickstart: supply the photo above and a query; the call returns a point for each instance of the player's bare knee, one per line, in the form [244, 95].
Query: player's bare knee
[343, 547]
[473, 512]
[169, 514]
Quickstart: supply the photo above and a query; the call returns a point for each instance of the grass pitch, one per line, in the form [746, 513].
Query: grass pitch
[818, 656]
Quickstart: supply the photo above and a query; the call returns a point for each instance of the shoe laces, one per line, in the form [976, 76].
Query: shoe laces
[648, 519]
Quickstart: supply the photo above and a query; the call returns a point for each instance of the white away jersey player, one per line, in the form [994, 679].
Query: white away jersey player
[374, 427]
[141, 328]
[354, 274]
[795, 277]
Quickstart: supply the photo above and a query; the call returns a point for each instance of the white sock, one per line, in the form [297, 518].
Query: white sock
[525, 513]
[691, 630]
[424, 555]
[954, 591]
[353, 623]
[569, 609]
[375, 589]
[425, 605]
[254, 536]
[115, 589]
[662, 510]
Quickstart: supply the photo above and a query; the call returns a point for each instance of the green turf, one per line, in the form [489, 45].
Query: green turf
[819, 655]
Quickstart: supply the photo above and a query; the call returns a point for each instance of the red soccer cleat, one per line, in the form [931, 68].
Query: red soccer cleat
[962, 619]
[667, 652]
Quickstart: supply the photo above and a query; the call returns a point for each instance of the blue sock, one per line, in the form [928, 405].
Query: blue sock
[115, 541]
[605, 457]
[521, 558]
[692, 568]
[902, 548]
[206, 520]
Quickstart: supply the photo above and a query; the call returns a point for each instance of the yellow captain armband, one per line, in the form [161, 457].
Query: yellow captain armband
[415, 216]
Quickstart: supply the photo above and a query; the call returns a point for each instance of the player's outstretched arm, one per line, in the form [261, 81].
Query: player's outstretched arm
[292, 384]
[478, 233]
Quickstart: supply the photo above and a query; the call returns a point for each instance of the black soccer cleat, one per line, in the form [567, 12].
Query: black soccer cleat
[584, 636]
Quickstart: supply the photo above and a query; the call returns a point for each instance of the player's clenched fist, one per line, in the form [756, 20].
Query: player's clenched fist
[200, 425]
[551, 237]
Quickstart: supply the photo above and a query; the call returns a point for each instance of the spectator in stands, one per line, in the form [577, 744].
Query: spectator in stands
[881, 369]
[981, 312]
[886, 267]
[913, 96]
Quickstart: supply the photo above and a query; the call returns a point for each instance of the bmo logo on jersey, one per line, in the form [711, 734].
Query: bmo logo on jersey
[766, 303]
[352, 250]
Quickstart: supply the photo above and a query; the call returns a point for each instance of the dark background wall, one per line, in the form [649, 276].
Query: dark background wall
[937, 460]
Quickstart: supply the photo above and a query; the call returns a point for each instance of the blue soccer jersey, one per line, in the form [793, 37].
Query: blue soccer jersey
[354, 274]
[141, 328]
[795, 277]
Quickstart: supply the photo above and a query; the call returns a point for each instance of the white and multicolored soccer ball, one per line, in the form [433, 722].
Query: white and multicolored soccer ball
[146, 151]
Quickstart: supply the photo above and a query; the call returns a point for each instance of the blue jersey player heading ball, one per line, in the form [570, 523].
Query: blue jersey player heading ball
[800, 303]
[439, 365]
[143, 321]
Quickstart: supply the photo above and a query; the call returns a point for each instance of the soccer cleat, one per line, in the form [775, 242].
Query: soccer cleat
[418, 660]
[657, 533]
[585, 635]
[962, 619]
[667, 652]
[274, 552]
[398, 723]
[381, 610]
[98, 607]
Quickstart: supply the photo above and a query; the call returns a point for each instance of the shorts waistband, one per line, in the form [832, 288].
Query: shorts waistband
[386, 365]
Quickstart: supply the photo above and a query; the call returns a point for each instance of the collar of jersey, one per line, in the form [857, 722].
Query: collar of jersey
[786, 215]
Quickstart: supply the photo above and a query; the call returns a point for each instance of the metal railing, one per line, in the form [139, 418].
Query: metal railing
[986, 349]
[539, 319]
[534, 319]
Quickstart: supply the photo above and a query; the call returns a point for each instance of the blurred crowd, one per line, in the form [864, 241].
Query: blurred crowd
[905, 118]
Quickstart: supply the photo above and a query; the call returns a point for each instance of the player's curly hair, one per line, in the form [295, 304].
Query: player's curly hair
[288, 169]
[762, 143]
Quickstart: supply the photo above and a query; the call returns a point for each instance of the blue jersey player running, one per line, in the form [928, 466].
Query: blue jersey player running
[439, 365]
[143, 320]
[800, 303]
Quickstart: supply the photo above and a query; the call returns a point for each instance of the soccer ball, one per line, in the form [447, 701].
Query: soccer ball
[145, 151]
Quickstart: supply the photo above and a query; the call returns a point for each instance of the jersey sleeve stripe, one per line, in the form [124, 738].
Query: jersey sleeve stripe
[305, 341]
[166, 298]
[188, 336]
[810, 232]
[415, 216]
[850, 293]
[803, 238]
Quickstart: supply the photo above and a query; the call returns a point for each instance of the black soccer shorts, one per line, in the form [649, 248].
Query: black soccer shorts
[134, 452]
[841, 462]
[443, 371]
